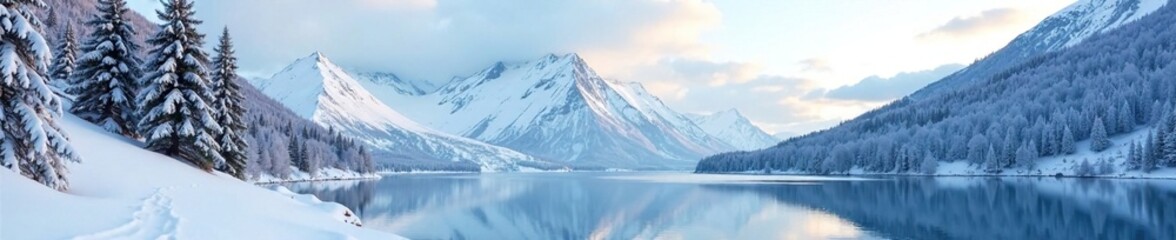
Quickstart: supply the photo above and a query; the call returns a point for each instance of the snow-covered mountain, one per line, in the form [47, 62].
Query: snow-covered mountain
[732, 127]
[1065, 28]
[1101, 107]
[394, 82]
[317, 89]
[558, 108]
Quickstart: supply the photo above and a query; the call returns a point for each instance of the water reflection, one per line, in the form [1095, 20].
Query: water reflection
[618, 206]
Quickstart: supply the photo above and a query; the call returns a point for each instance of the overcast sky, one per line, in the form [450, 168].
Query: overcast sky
[774, 60]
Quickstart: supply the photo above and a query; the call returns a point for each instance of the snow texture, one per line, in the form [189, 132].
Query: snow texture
[126, 192]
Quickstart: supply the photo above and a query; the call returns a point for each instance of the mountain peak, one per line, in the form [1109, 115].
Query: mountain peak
[730, 125]
[311, 61]
[732, 112]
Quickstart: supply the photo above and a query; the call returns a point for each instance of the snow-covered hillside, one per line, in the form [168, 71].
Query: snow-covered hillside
[121, 191]
[1088, 102]
[732, 127]
[557, 107]
[317, 89]
[1065, 28]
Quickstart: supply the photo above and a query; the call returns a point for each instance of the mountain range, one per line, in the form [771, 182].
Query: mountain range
[547, 113]
[317, 89]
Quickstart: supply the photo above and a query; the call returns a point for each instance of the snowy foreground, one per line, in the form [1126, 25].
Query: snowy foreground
[121, 191]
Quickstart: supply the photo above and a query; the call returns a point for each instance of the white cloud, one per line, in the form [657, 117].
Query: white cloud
[970, 26]
[436, 39]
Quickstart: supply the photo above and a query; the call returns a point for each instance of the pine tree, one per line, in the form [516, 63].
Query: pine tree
[63, 62]
[177, 115]
[1151, 152]
[1010, 149]
[1068, 146]
[1027, 155]
[1098, 136]
[1134, 161]
[105, 81]
[928, 166]
[1126, 117]
[31, 141]
[230, 113]
[295, 147]
[991, 161]
[1084, 169]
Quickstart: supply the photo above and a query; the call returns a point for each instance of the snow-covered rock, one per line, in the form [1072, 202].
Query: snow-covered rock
[557, 107]
[732, 127]
[120, 191]
[315, 88]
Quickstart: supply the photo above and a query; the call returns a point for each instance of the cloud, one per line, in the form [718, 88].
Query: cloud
[875, 88]
[697, 71]
[815, 65]
[435, 39]
[988, 21]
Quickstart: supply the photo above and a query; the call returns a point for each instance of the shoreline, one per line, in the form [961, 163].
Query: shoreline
[365, 177]
[950, 175]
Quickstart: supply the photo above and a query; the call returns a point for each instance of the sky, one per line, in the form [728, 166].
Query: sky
[791, 66]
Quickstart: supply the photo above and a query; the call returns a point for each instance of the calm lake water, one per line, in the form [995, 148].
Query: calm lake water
[689, 206]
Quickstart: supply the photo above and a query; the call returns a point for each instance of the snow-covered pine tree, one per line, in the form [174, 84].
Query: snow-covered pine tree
[1010, 148]
[105, 81]
[991, 161]
[1098, 136]
[1084, 169]
[1134, 161]
[1068, 146]
[929, 165]
[31, 142]
[63, 62]
[1027, 155]
[1167, 141]
[1151, 152]
[177, 115]
[229, 112]
[1126, 117]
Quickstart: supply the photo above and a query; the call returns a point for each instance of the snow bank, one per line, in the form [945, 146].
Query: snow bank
[121, 191]
[340, 212]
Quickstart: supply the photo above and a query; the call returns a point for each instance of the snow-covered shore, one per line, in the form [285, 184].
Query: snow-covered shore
[121, 191]
[1066, 165]
[325, 174]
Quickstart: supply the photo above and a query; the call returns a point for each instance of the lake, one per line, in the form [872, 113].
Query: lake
[689, 206]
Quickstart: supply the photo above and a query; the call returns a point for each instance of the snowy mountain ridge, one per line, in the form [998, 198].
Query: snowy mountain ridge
[735, 129]
[317, 89]
[557, 107]
[1063, 29]
[1084, 18]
